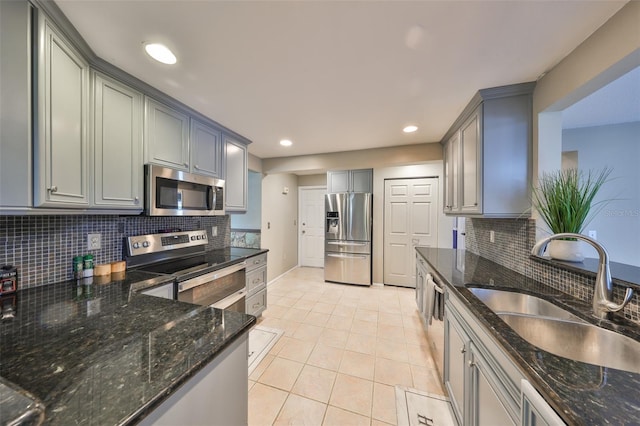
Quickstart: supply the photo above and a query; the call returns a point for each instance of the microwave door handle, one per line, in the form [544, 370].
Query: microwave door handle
[211, 197]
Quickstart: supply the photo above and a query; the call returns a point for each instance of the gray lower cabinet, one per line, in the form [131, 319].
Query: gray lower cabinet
[206, 149]
[116, 130]
[235, 192]
[535, 410]
[216, 395]
[61, 151]
[483, 384]
[256, 280]
[166, 135]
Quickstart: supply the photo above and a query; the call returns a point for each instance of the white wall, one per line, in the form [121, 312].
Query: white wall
[279, 223]
[616, 146]
[252, 218]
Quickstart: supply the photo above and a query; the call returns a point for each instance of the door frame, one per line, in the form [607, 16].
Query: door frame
[300, 189]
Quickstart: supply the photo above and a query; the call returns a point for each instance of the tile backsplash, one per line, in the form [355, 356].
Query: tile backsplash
[514, 239]
[249, 238]
[42, 247]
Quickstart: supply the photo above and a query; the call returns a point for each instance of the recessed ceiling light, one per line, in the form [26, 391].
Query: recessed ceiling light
[286, 142]
[410, 129]
[160, 53]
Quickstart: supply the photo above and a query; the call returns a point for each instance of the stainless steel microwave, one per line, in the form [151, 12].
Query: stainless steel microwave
[170, 192]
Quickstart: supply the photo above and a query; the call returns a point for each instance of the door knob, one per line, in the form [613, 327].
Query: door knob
[304, 232]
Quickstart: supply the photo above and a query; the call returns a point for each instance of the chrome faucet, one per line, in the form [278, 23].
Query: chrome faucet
[603, 292]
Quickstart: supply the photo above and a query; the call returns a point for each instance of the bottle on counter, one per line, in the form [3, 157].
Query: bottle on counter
[78, 267]
[88, 266]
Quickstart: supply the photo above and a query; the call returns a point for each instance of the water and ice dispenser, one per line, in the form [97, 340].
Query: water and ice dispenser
[333, 223]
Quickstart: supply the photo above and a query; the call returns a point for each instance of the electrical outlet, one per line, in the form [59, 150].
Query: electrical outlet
[593, 234]
[214, 231]
[94, 241]
[492, 237]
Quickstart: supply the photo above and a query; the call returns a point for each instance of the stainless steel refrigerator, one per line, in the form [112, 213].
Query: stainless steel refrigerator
[347, 243]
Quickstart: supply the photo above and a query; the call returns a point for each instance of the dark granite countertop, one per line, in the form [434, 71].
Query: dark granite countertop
[581, 393]
[105, 354]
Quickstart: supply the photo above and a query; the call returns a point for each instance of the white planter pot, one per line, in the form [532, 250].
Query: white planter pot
[568, 251]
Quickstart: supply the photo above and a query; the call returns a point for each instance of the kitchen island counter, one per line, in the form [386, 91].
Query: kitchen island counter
[580, 393]
[105, 354]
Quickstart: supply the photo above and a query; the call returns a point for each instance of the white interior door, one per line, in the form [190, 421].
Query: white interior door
[410, 220]
[311, 220]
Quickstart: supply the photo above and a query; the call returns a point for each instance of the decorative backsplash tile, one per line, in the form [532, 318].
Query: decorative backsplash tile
[42, 247]
[245, 238]
[514, 239]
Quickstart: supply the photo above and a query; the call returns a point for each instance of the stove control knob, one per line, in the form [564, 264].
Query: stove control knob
[193, 238]
[204, 236]
[145, 244]
[198, 237]
[136, 245]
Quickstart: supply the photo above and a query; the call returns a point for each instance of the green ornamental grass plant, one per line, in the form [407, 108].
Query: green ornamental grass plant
[565, 198]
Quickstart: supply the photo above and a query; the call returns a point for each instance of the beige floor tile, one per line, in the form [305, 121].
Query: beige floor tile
[323, 308]
[339, 323]
[281, 373]
[357, 364]
[428, 380]
[311, 295]
[384, 403]
[338, 417]
[305, 304]
[334, 338]
[373, 305]
[366, 315]
[364, 327]
[296, 350]
[326, 357]
[420, 355]
[295, 314]
[250, 384]
[393, 372]
[295, 294]
[375, 422]
[308, 332]
[412, 321]
[315, 383]
[298, 410]
[265, 403]
[257, 372]
[344, 311]
[386, 318]
[415, 336]
[317, 318]
[390, 306]
[352, 394]
[392, 350]
[275, 311]
[279, 345]
[391, 332]
[361, 343]
[286, 301]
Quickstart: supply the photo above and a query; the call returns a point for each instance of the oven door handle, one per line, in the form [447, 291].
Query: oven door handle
[229, 300]
[203, 279]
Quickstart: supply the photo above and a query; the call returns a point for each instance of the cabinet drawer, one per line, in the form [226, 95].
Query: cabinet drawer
[256, 262]
[256, 279]
[257, 303]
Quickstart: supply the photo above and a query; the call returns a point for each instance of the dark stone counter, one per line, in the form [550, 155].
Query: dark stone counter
[104, 354]
[580, 393]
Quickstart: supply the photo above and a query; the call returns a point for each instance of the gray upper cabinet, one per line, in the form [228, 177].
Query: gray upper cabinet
[487, 155]
[350, 181]
[61, 177]
[206, 149]
[116, 117]
[235, 191]
[16, 184]
[166, 136]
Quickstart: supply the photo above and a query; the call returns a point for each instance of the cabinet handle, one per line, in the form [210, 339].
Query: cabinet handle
[256, 305]
[136, 200]
[196, 167]
[257, 280]
[462, 350]
[472, 364]
[53, 189]
[186, 164]
[475, 204]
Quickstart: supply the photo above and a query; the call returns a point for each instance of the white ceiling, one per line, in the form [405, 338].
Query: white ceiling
[335, 75]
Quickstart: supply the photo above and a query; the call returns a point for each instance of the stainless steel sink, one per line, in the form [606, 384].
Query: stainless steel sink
[507, 301]
[561, 333]
[578, 341]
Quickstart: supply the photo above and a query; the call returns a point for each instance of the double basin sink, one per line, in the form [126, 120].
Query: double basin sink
[557, 331]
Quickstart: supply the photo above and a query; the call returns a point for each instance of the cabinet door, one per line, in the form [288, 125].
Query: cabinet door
[471, 164]
[361, 181]
[455, 366]
[488, 410]
[166, 136]
[235, 191]
[117, 144]
[338, 181]
[452, 174]
[206, 149]
[62, 148]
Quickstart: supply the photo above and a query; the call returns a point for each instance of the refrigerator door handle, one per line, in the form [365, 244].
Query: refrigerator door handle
[336, 243]
[347, 256]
